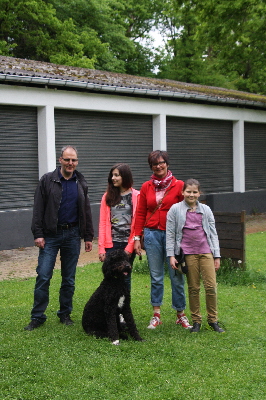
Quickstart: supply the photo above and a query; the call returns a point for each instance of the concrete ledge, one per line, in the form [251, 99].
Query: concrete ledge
[252, 201]
[16, 232]
[16, 227]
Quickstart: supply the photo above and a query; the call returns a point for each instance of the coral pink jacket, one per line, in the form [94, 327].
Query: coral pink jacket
[105, 229]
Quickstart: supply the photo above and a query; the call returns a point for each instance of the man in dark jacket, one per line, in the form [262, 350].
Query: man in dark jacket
[61, 216]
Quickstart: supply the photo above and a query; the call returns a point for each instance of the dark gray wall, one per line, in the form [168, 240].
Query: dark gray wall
[201, 149]
[104, 139]
[255, 160]
[19, 150]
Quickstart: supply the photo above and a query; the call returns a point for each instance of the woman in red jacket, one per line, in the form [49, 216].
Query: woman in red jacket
[117, 214]
[156, 197]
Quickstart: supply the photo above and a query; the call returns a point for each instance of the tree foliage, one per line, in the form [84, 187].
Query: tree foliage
[236, 36]
[30, 29]
[211, 42]
[216, 42]
[116, 26]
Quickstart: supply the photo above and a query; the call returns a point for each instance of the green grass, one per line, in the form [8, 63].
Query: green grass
[59, 362]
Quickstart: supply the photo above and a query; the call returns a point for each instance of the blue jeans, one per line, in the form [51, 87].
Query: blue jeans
[68, 242]
[123, 245]
[155, 246]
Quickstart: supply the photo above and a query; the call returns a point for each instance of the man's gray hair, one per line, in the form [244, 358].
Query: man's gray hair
[67, 147]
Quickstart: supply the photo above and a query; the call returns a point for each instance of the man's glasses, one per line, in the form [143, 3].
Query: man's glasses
[74, 160]
[158, 164]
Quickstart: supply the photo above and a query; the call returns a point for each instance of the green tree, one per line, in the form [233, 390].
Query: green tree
[101, 33]
[219, 43]
[182, 57]
[116, 27]
[235, 37]
[30, 29]
[210, 42]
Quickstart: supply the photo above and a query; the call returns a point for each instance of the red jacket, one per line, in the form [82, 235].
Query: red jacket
[147, 203]
[105, 229]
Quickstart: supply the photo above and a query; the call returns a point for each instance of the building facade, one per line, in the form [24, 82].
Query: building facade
[213, 135]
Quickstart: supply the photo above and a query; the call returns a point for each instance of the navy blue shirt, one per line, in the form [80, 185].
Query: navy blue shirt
[68, 210]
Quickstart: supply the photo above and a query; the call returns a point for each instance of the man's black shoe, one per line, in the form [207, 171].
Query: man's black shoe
[66, 320]
[216, 327]
[34, 323]
[195, 328]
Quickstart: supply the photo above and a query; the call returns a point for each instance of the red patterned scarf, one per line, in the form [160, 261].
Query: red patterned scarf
[162, 184]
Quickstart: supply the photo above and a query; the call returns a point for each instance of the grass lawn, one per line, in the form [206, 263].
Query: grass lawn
[60, 362]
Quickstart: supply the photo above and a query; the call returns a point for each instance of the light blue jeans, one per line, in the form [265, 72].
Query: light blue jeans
[155, 246]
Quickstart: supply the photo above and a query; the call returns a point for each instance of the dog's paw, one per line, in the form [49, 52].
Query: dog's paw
[116, 342]
[138, 338]
[123, 336]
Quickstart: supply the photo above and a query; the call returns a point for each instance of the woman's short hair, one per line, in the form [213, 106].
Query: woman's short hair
[154, 156]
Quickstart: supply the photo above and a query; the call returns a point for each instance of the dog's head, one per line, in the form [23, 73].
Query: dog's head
[116, 264]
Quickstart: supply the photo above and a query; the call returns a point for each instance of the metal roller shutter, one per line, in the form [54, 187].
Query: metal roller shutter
[202, 149]
[19, 149]
[255, 156]
[103, 139]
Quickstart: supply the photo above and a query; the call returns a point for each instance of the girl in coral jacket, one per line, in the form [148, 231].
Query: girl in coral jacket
[117, 214]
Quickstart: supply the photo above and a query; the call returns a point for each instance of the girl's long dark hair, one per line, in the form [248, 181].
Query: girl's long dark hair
[113, 195]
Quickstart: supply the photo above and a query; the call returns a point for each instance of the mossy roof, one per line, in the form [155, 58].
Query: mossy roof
[30, 72]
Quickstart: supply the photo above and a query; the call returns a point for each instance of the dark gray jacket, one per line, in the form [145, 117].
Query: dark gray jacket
[47, 201]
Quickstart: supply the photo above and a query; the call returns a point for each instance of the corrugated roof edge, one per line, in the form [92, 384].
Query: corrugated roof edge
[15, 70]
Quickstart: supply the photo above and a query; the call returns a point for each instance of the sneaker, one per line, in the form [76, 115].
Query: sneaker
[195, 328]
[66, 320]
[215, 327]
[34, 323]
[155, 321]
[183, 321]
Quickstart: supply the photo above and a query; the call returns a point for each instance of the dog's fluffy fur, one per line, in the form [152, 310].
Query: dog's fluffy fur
[112, 298]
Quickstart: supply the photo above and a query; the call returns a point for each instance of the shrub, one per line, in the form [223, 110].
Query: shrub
[229, 274]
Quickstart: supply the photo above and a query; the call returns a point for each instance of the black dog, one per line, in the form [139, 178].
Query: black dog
[101, 315]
